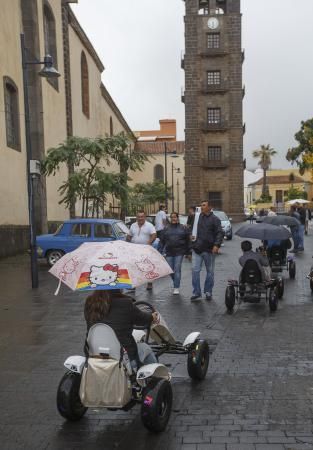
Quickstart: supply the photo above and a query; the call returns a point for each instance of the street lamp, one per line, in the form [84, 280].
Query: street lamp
[33, 166]
[177, 171]
[173, 154]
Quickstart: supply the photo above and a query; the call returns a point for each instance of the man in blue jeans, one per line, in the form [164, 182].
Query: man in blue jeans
[207, 237]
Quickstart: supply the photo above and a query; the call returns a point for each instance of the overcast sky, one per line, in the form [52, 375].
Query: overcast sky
[140, 44]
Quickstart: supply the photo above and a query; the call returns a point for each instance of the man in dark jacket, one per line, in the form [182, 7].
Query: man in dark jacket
[207, 237]
[301, 230]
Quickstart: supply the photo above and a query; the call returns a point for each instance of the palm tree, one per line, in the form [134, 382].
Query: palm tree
[264, 153]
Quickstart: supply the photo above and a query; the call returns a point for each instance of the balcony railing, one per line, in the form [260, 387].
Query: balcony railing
[215, 164]
[209, 52]
[220, 126]
[215, 88]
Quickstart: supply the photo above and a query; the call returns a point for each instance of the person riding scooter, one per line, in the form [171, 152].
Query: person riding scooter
[119, 312]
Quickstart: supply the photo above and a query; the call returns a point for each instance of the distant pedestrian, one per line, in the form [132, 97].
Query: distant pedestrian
[142, 232]
[160, 224]
[295, 229]
[190, 222]
[302, 214]
[272, 212]
[175, 240]
[207, 237]
[251, 215]
[308, 218]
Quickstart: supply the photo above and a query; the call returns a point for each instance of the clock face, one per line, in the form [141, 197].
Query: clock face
[213, 23]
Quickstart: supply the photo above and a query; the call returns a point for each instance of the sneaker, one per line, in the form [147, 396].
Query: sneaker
[294, 251]
[208, 296]
[176, 291]
[195, 297]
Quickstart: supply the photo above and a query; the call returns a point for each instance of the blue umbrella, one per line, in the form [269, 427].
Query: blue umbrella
[263, 231]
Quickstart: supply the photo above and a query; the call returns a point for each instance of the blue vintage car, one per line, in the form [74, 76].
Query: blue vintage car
[72, 233]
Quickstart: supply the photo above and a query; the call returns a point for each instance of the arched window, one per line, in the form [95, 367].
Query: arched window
[111, 127]
[12, 119]
[50, 39]
[158, 173]
[85, 84]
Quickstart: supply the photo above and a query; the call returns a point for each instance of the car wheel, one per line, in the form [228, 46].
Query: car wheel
[198, 360]
[229, 237]
[68, 400]
[156, 405]
[53, 256]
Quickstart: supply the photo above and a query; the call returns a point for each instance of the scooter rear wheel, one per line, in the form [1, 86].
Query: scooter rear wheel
[157, 405]
[68, 401]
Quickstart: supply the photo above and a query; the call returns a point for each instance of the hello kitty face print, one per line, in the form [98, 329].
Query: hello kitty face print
[69, 268]
[147, 267]
[103, 276]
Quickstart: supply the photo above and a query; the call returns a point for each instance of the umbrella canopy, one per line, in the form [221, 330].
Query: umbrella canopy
[263, 231]
[110, 265]
[297, 200]
[282, 220]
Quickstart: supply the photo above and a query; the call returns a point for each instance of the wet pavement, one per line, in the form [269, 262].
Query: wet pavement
[258, 393]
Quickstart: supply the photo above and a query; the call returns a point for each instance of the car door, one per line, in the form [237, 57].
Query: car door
[80, 232]
[103, 232]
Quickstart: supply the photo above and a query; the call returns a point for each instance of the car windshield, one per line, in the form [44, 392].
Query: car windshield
[221, 215]
[121, 229]
[59, 229]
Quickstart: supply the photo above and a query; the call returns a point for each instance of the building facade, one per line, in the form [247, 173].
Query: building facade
[213, 104]
[152, 144]
[77, 103]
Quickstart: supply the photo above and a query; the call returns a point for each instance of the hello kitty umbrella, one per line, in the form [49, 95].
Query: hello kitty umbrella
[110, 265]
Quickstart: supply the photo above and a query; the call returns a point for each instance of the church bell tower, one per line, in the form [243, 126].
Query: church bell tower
[213, 105]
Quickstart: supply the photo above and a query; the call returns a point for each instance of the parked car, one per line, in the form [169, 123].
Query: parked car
[72, 233]
[226, 224]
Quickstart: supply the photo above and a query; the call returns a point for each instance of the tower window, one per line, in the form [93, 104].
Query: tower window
[158, 173]
[85, 85]
[214, 115]
[214, 153]
[12, 121]
[215, 200]
[213, 40]
[214, 77]
[50, 40]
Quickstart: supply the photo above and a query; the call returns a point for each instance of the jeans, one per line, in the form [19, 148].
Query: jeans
[197, 261]
[295, 237]
[175, 263]
[301, 236]
[145, 354]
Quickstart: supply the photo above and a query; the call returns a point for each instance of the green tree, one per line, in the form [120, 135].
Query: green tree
[294, 192]
[303, 153]
[146, 195]
[264, 154]
[89, 181]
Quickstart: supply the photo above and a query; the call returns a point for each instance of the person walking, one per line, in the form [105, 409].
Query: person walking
[142, 232]
[160, 224]
[302, 214]
[308, 218]
[295, 229]
[272, 212]
[207, 237]
[175, 240]
[190, 222]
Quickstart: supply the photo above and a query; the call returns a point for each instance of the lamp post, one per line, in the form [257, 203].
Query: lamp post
[177, 171]
[178, 202]
[33, 166]
[173, 155]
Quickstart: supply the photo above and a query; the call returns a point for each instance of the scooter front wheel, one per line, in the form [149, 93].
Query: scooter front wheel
[68, 401]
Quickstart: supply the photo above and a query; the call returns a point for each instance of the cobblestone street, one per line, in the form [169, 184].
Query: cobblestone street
[258, 393]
